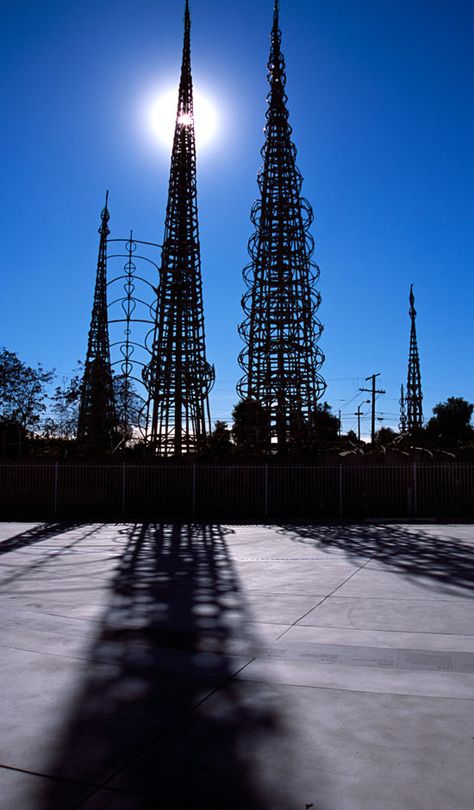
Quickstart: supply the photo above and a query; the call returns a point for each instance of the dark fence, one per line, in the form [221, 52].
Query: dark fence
[236, 492]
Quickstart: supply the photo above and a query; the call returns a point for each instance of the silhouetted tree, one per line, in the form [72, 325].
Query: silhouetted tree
[23, 391]
[220, 443]
[62, 423]
[250, 428]
[352, 436]
[451, 423]
[324, 425]
[129, 407]
[385, 435]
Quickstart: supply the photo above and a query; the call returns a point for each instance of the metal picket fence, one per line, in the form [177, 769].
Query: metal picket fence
[236, 492]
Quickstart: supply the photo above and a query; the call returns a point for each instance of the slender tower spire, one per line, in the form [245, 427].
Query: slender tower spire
[179, 377]
[281, 357]
[97, 421]
[414, 396]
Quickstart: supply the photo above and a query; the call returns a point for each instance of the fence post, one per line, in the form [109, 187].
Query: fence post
[124, 482]
[265, 504]
[341, 507]
[56, 483]
[415, 503]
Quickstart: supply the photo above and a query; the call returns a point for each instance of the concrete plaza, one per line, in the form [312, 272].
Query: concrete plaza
[250, 667]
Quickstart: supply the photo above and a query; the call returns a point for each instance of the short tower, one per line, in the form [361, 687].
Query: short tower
[97, 421]
[414, 397]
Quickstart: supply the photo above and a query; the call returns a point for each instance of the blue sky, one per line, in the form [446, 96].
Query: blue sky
[381, 104]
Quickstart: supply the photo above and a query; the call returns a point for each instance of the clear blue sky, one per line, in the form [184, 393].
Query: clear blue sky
[381, 103]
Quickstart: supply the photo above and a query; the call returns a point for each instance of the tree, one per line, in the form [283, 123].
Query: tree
[65, 405]
[324, 425]
[219, 443]
[385, 435]
[451, 422]
[23, 391]
[351, 436]
[250, 428]
[129, 407]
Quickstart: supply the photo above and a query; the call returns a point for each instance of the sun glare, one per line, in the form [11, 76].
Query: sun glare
[163, 118]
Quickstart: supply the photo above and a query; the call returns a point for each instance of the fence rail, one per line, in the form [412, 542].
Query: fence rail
[247, 492]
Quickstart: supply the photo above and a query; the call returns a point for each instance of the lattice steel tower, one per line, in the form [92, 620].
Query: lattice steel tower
[414, 397]
[97, 421]
[281, 357]
[179, 377]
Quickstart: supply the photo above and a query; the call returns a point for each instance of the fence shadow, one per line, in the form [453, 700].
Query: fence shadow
[158, 713]
[448, 561]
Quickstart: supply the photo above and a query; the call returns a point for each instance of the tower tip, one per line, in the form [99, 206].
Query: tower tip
[276, 14]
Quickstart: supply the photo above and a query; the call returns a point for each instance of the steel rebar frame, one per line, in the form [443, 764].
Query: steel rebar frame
[130, 352]
[97, 421]
[179, 378]
[414, 396]
[281, 357]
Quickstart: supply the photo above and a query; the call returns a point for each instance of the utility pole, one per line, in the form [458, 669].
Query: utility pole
[373, 390]
[340, 423]
[358, 413]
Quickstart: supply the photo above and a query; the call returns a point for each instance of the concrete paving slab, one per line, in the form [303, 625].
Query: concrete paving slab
[332, 749]
[280, 608]
[237, 667]
[354, 678]
[19, 790]
[375, 613]
[302, 577]
[395, 586]
[304, 634]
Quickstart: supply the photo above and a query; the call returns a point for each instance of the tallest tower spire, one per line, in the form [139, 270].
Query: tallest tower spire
[179, 377]
[281, 357]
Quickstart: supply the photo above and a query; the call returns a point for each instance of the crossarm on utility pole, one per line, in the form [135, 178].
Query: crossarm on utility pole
[373, 391]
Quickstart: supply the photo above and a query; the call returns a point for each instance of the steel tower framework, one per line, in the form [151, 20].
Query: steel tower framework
[97, 421]
[403, 412]
[414, 397]
[281, 357]
[179, 377]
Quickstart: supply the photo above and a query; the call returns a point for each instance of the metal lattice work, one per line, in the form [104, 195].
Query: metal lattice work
[132, 314]
[414, 397]
[179, 377]
[281, 357]
[403, 413]
[97, 421]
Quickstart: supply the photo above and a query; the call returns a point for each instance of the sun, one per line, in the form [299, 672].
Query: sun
[162, 116]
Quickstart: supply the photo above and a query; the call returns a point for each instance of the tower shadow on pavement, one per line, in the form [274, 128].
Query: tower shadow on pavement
[159, 720]
[409, 550]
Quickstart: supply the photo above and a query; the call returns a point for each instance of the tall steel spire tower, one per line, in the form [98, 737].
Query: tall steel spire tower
[414, 397]
[179, 377]
[281, 357]
[97, 422]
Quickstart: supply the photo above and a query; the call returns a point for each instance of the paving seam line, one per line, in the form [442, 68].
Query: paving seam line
[163, 734]
[324, 599]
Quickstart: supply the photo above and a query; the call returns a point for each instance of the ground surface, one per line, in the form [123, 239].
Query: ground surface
[249, 667]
